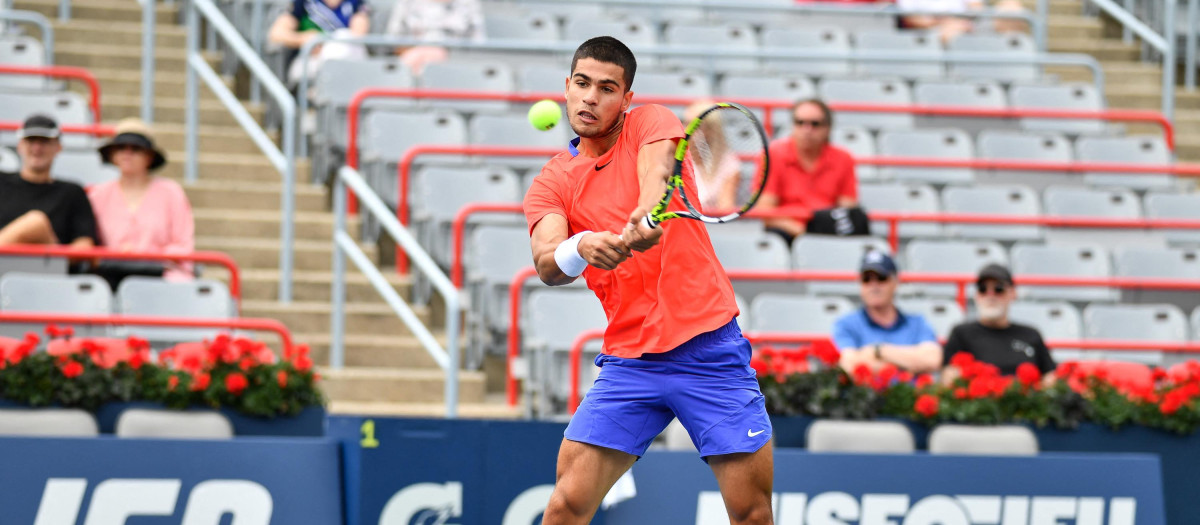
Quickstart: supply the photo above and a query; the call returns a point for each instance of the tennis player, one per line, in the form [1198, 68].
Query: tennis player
[672, 348]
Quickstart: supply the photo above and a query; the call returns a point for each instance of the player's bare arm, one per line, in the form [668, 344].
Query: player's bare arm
[655, 163]
[604, 250]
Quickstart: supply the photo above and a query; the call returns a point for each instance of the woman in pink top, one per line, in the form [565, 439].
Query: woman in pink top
[139, 212]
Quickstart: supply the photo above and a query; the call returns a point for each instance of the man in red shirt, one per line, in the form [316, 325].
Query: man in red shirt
[672, 348]
[808, 174]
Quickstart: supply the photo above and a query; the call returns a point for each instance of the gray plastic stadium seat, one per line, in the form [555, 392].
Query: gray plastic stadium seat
[1054, 320]
[742, 251]
[37, 265]
[975, 94]
[1160, 263]
[10, 162]
[336, 83]
[48, 293]
[514, 130]
[200, 299]
[1003, 200]
[563, 9]
[521, 26]
[658, 14]
[879, 21]
[947, 144]
[441, 191]
[173, 424]
[983, 440]
[860, 437]
[942, 314]
[631, 31]
[652, 83]
[386, 136]
[19, 50]
[83, 167]
[1175, 206]
[1126, 150]
[1066, 201]
[1069, 96]
[492, 76]
[1138, 322]
[1024, 146]
[66, 108]
[1089, 260]
[773, 312]
[918, 44]
[828, 252]
[760, 86]
[726, 37]
[47, 422]
[832, 40]
[1194, 323]
[913, 198]
[493, 254]
[554, 318]
[858, 142]
[1011, 44]
[950, 256]
[873, 92]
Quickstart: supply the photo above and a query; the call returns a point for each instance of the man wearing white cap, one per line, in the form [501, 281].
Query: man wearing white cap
[35, 208]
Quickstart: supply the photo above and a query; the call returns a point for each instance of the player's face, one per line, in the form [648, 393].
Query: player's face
[877, 290]
[992, 299]
[810, 129]
[596, 97]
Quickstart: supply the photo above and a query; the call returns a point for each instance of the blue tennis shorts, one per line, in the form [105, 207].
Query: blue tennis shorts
[706, 382]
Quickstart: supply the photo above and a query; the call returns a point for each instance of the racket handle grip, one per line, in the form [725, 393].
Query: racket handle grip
[648, 222]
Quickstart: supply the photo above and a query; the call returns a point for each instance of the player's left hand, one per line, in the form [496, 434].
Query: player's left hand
[639, 236]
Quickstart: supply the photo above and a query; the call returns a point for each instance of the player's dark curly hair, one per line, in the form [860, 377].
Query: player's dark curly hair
[610, 50]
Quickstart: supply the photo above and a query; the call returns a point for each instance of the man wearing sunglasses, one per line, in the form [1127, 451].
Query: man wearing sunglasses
[879, 333]
[993, 338]
[808, 175]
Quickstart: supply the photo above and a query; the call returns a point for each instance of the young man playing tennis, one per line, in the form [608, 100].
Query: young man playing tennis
[672, 348]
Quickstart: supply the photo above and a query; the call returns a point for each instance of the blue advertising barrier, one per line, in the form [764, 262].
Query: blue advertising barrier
[63, 481]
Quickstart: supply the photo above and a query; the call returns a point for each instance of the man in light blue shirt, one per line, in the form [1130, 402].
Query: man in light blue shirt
[879, 333]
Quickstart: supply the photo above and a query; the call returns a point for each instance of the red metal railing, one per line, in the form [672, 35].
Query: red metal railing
[233, 323]
[69, 72]
[218, 258]
[960, 280]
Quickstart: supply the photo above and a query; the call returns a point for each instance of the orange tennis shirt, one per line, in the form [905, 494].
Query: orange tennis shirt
[660, 298]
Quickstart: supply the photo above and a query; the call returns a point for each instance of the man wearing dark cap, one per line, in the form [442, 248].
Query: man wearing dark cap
[880, 333]
[35, 208]
[992, 338]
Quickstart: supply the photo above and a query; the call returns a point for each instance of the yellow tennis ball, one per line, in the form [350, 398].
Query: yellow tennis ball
[544, 114]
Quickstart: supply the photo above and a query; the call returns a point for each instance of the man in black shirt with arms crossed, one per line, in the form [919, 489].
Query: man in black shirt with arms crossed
[35, 208]
[993, 338]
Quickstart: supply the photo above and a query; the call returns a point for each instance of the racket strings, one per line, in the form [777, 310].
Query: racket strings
[725, 149]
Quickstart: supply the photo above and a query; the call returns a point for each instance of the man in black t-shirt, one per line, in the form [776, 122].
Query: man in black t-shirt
[993, 338]
[35, 208]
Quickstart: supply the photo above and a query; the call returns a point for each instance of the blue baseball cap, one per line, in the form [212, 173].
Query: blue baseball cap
[878, 262]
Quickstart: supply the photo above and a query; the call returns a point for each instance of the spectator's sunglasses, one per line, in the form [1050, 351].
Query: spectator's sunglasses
[983, 288]
[800, 123]
[870, 277]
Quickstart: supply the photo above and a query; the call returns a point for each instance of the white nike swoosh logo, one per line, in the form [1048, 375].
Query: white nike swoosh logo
[752, 434]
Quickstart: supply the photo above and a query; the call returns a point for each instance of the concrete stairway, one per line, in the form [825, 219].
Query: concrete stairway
[1129, 82]
[236, 204]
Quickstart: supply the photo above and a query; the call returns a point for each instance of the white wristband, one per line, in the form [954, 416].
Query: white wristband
[567, 255]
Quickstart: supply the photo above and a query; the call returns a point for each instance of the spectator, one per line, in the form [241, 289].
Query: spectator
[35, 208]
[810, 176]
[718, 170]
[993, 338]
[950, 27]
[308, 19]
[140, 212]
[880, 333]
[434, 21]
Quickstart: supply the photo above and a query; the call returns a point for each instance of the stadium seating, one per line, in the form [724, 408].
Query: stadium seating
[943, 314]
[949, 256]
[172, 424]
[1001, 200]
[202, 299]
[1002, 145]
[817, 38]
[49, 293]
[47, 422]
[797, 313]
[823, 252]
[988, 440]
[917, 44]
[1141, 322]
[19, 50]
[1125, 150]
[1011, 44]
[869, 92]
[1069, 96]
[554, 318]
[1161, 205]
[917, 198]
[1085, 260]
[948, 144]
[863, 437]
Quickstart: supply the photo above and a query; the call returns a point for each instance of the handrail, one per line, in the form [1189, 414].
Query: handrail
[344, 245]
[1164, 43]
[218, 258]
[284, 161]
[576, 352]
[44, 27]
[458, 226]
[68, 72]
[1068, 59]
[233, 323]
[149, 20]
[523, 275]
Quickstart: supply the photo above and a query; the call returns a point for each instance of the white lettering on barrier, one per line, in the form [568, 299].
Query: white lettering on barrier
[114, 501]
[840, 508]
[528, 505]
[428, 503]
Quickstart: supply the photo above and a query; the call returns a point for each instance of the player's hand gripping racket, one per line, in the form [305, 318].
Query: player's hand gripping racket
[727, 148]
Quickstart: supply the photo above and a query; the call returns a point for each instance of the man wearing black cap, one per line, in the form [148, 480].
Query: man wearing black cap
[880, 333]
[35, 208]
[993, 338]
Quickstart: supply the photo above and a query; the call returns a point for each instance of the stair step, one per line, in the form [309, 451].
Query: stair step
[212, 138]
[91, 55]
[249, 195]
[308, 285]
[109, 10]
[173, 110]
[1102, 49]
[426, 410]
[122, 82]
[217, 166]
[260, 253]
[372, 351]
[361, 318]
[264, 224]
[1073, 26]
[392, 385]
[1115, 74]
[167, 36]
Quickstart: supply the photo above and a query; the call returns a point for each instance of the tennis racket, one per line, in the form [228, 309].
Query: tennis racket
[727, 149]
